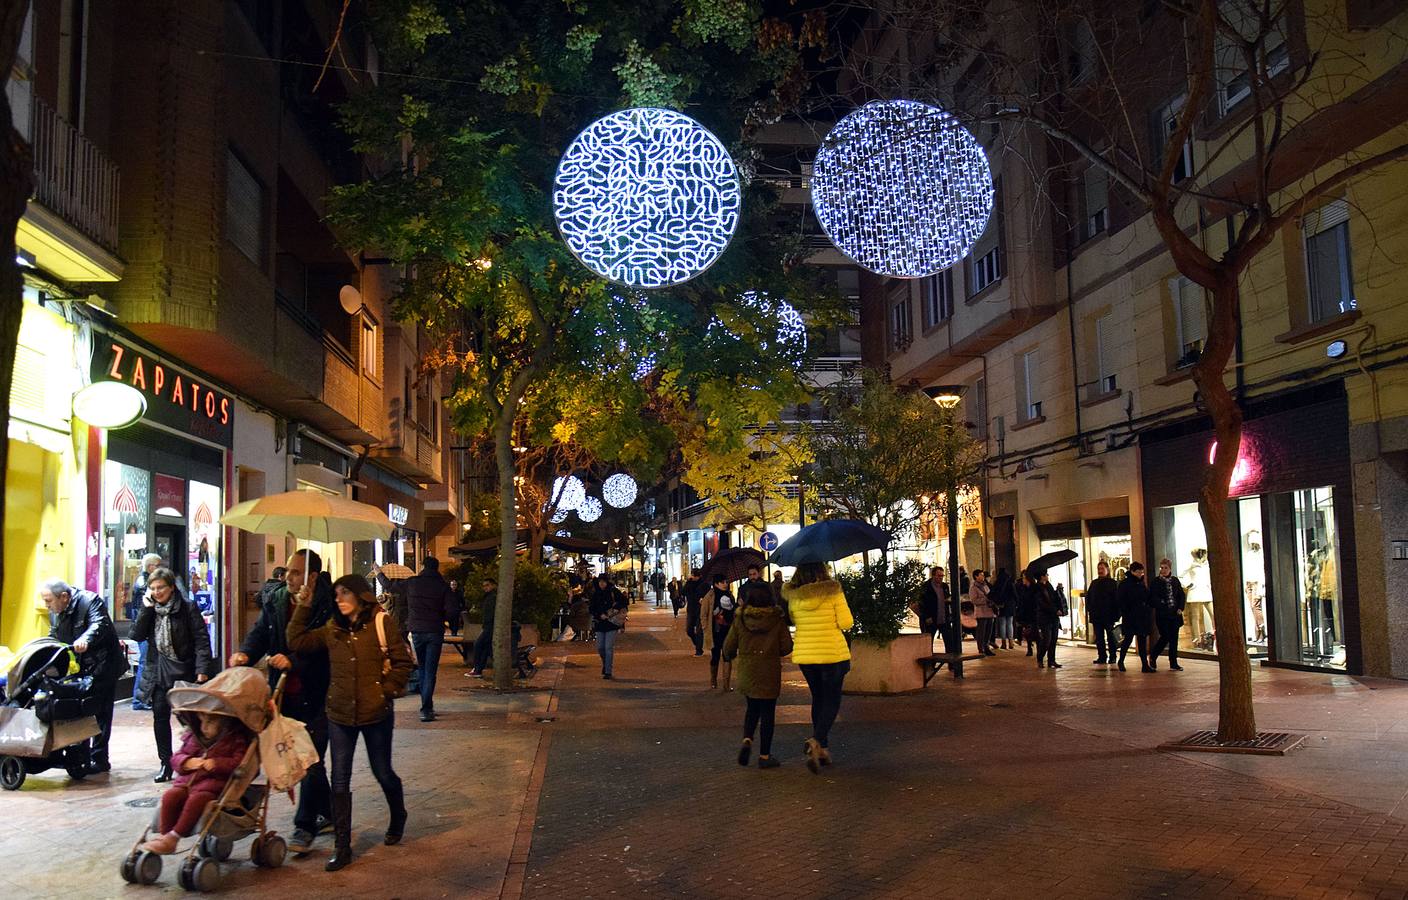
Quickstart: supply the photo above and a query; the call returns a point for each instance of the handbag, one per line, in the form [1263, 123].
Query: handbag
[286, 752]
[617, 616]
[1117, 632]
[381, 618]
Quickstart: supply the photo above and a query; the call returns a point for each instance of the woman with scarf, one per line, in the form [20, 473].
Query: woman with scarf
[178, 649]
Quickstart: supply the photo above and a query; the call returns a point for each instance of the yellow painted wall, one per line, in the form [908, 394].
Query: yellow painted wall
[35, 545]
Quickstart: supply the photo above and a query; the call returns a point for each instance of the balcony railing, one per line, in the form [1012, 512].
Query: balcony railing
[73, 177]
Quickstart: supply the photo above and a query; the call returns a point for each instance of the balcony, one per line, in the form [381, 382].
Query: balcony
[412, 453]
[70, 226]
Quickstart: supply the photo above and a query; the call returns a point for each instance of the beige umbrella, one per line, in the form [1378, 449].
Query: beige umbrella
[311, 516]
[396, 571]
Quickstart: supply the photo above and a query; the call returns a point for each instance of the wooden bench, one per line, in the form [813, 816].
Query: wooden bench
[932, 663]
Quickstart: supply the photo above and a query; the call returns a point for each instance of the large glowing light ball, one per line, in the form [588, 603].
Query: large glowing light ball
[589, 510]
[619, 490]
[646, 197]
[569, 491]
[902, 188]
[559, 515]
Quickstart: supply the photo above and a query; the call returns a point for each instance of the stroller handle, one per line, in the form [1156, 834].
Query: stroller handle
[278, 694]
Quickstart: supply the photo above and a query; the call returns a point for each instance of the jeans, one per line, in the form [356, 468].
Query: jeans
[1004, 628]
[1104, 641]
[1046, 643]
[137, 676]
[377, 735]
[825, 681]
[428, 645]
[1168, 637]
[483, 648]
[314, 795]
[695, 630]
[606, 648]
[761, 712]
[161, 724]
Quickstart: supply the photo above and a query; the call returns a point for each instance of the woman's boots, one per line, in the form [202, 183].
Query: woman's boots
[342, 830]
[728, 676]
[396, 799]
[713, 675]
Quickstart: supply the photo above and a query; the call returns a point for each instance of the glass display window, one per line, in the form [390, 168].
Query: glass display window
[1069, 578]
[1253, 572]
[126, 520]
[1319, 612]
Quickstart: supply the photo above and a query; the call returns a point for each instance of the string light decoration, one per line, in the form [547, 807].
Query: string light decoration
[619, 490]
[902, 188]
[646, 197]
[791, 329]
[559, 516]
[589, 510]
[569, 491]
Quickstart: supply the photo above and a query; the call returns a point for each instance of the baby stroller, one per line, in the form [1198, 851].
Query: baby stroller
[47, 715]
[242, 807]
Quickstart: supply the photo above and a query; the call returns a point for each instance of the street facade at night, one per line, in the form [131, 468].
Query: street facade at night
[436, 426]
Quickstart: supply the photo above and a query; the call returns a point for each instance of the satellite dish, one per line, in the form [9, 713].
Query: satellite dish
[351, 299]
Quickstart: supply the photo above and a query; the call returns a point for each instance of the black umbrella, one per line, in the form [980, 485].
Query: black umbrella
[732, 564]
[830, 540]
[1041, 564]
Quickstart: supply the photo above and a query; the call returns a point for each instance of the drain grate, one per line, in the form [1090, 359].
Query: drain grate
[1266, 743]
[144, 802]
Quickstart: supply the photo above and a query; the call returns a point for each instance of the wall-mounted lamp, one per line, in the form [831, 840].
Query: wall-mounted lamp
[109, 404]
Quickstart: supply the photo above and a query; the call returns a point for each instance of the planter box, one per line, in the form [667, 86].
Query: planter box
[890, 669]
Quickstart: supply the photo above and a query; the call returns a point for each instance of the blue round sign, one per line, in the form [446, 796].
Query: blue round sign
[767, 542]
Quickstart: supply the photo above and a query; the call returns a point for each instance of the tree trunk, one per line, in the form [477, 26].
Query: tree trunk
[508, 543]
[1236, 718]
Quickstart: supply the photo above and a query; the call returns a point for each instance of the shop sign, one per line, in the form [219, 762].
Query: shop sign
[1243, 471]
[170, 495]
[175, 398]
[399, 515]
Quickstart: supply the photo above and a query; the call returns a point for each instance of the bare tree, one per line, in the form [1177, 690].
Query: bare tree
[1072, 84]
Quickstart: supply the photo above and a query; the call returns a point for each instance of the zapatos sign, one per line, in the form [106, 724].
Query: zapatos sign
[175, 397]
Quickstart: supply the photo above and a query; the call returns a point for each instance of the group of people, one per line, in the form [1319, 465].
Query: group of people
[1132, 610]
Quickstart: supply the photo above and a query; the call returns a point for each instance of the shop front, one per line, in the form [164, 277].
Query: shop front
[397, 498]
[1095, 538]
[1291, 522]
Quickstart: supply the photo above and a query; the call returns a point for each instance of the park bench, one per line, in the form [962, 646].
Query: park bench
[932, 663]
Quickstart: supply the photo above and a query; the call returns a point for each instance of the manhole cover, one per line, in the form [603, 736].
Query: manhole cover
[144, 802]
[1266, 743]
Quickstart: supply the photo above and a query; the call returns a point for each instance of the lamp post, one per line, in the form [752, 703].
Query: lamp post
[948, 396]
[659, 567]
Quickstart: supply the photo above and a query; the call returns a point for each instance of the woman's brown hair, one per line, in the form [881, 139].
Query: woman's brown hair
[810, 573]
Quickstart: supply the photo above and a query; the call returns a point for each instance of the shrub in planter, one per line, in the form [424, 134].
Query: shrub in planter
[879, 598]
[538, 592]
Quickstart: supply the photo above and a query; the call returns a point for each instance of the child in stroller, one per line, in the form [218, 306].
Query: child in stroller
[213, 748]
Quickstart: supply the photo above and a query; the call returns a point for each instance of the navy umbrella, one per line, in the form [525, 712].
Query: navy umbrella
[830, 540]
[1038, 567]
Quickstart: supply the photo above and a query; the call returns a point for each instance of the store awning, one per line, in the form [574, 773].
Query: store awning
[490, 546]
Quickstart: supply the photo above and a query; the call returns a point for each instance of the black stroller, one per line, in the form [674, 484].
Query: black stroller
[47, 716]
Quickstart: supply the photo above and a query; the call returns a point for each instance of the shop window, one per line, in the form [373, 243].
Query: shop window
[1166, 126]
[1190, 321]
[1272, 57]
[937, 295]
[1327, 267]
[1028, 387]
[244, 209]
[1095, 200]
[1308, 620]
[901, 319]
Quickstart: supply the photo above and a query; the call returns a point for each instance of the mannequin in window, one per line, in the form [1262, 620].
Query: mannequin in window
[1197, 581]
[1254, 570]
[1322, 586]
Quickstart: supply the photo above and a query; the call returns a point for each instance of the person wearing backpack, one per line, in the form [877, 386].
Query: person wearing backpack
[758, 638]
[370, 665]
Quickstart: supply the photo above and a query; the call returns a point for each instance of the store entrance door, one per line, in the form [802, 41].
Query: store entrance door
[1004, 544]
[170, 545]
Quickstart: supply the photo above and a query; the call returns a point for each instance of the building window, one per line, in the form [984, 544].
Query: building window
[1190, 319]
[1083, 56]
[901, 319]
[1327, 268]
[987, 255]
[244, 209]
[369, 347]
[1167, 125]
[1028, 387]
[1095, 197]
[1105, 379]
[976, 407]
[1272, 55]
[937, 294]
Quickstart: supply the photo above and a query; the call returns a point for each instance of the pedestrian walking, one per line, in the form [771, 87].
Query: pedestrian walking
[758, 638]
[1135, 615]
[1102, 606]
[1049, 610]
[933, 597]
[694, 591]
[150, 563]
[1004, 601]
[457, 621]
[980, 595]
[80, 619]
[750, 592]
[306, 688]
[1167, 596]
[608, 608]
[178, 649]
[1026, 592]
[369, 665]
[721, 606]
[675, 597]
[817, 607]
[657, 581]
[484, 644]
[430, 606]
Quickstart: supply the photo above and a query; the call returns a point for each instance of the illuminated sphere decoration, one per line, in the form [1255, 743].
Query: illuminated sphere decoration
[646, 197]
[619, 490]
[569, 491]
[589, 510]
[559, 515]
[902, 188]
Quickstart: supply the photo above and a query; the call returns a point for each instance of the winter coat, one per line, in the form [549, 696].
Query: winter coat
[979, 595]
[1048, 605]
[359, 693]
[721, 606]
[1102, 602]
[822, 617]
[189, 638]
[1028, 599]
[1003, 599]
[759, 639]
[933, 604]
[227, 751]
[602, 602]
[430, 603]
[1167, 597]
[1134, 606]
[694, 590]
[86, 619]
[306, 687]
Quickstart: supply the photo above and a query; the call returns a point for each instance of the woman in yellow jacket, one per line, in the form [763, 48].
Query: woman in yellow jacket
[818, 608]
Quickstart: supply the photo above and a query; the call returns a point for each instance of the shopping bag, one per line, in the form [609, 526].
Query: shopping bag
[286, 752]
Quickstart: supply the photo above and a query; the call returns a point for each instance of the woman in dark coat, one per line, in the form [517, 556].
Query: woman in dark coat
[178, 649]
[1136, 614]
[606, 600]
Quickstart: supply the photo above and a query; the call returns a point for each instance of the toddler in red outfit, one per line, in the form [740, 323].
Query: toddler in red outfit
[212, 749]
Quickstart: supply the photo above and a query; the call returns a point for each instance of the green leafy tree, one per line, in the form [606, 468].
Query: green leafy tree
[747, 481]
[475, 103]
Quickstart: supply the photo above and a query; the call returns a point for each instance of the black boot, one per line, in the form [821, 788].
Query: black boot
[163, 774]
[396, 799]
[342, 830]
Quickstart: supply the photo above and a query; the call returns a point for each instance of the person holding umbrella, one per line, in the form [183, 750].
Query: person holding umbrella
[819, 610]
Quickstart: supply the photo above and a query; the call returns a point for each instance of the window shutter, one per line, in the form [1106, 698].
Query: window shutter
[1192, 317]
[1336, 212]
[1097, 190]
[244, 209]
[1104, 340]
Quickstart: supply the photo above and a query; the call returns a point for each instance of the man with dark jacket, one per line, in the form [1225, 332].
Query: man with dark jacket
[1134, 614]
[80, 619]
[430, 605]
[936, 615]
[1102, 606]
[484, 644]
[1049, 610]
[306, 685]
[1168, 598]
[694, 591]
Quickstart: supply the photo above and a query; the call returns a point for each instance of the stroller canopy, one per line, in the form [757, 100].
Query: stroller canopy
[36, 656]
[241, 692]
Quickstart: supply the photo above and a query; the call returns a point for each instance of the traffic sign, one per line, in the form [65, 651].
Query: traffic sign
[767, 541]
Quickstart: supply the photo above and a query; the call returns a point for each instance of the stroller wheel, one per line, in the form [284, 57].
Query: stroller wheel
[77, 771]
[268, 851]
[129, 869]
[205, 876]
[147, 867]
[11, 772]
[216, 847]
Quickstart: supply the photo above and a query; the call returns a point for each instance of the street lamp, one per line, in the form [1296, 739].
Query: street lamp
[948, 396]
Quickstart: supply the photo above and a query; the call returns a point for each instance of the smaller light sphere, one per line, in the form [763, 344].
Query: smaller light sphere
[569, 491]
[619, 490]
[560, 515]
[589, 510]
